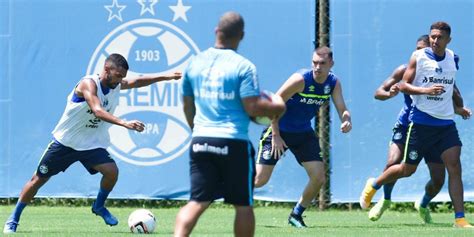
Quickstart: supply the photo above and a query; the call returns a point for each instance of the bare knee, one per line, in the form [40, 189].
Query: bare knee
[260, 180]
[108, 170]
[408, 170]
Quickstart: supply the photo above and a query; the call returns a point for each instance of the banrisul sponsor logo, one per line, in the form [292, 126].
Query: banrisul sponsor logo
[151, 46]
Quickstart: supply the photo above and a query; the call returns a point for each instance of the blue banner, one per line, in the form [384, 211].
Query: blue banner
[370, 39]
[47, 46]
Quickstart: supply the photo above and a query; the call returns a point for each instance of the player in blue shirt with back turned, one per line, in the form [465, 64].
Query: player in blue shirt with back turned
[220, 91]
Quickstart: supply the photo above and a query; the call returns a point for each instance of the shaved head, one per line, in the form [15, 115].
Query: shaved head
[231, 25]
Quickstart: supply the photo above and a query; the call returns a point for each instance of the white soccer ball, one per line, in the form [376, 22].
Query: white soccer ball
[263, 120]
[142, 221]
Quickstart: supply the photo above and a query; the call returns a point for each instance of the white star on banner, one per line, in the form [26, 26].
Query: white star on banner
[115, 10]
[147, 6]
[180, 11]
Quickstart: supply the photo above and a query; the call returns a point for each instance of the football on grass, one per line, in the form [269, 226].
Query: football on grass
[142, 221]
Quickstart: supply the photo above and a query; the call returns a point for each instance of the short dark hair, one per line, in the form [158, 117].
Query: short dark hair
[441, 25]
[117, 60]
[231, 25]
[324, 50]
[425, 39]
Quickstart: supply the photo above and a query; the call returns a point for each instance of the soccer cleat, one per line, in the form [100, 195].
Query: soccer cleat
[109, 219]
[10, 227]
[376, 211]
[367, 194]
[424, 213]
[462, 223]
[296, 221]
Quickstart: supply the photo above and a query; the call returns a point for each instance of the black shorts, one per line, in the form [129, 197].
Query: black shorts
[429, 142]
[399, 135]
[222, 168]
[58, 158]
[304, 145]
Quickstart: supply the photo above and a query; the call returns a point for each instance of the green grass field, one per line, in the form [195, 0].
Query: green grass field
[217, 221]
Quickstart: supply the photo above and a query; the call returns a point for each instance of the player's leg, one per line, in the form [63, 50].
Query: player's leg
[244, 224]
[411, 159]
[27, 194]
[394, 157]
[450, 147]
[316, 175]
[451, 158]
[188, 216]
[238, 173]
[99, 161]
[55, 159]
[305, 147]
[206, 178]
[265, 161]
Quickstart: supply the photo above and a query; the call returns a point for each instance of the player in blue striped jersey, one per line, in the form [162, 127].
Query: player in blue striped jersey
[304, 92]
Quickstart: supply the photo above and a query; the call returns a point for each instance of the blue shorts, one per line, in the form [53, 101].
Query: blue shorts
[429, 142]
[304, 145]
[58, 157]
[222, 168]
[399, 135]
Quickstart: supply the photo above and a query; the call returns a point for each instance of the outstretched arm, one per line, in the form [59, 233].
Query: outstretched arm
[87, 89]
[389, 87]
[148, 80]
[344, 115]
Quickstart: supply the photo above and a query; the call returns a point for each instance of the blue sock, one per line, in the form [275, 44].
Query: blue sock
[425, 200]
[101, 197]
[387, 191]
[375, 186]
[15, 216]
[459, 215]
[298, 209]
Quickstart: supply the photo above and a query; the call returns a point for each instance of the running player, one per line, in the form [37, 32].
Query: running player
[82, 135]
[430, 79]
[304, 92]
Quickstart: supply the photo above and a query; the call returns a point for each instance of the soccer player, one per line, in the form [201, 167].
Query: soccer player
[82, 135]
[304, 92]
[220, 91]
[387, 90]
[430, 80]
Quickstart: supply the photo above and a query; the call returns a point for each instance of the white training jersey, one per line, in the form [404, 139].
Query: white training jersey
[429, 72]
[78, 127]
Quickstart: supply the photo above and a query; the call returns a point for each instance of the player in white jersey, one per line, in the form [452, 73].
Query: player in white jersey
[430, 79]
[220, 92]
[82, 135]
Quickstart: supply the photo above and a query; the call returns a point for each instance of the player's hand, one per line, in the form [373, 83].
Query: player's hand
[394, 89]
[135, 125]
[174, 76]
[464, 112]
[435, 90]
[278, 147]
[346, 126]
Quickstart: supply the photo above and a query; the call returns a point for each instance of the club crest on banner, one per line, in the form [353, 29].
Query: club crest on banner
[151, 46]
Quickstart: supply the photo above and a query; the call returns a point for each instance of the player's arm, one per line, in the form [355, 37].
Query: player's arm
[148, 80]
[87, 89]
[189, 109]
[344, 114]
[389, 87]
[458, 104]
[407, 87]
[294, 84]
